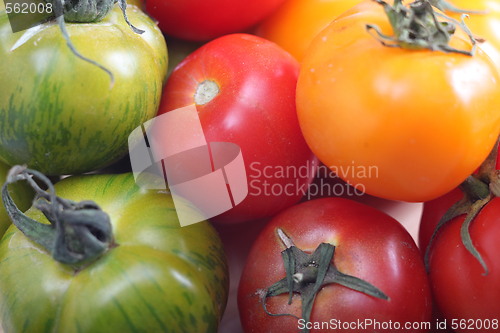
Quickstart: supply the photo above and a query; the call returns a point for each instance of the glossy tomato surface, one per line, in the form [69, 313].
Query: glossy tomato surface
[158, 277]
[295, 24]
[58, 113]
[200, 20]
[254, 107]
[466, 297]
[483, 24]
[370, 245]
[434, 210]
[407, 125]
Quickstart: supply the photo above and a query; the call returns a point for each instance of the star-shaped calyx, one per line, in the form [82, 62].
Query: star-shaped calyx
[306, 274]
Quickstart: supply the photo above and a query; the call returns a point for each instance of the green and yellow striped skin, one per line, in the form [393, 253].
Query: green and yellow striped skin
[58, 114]
[159, 278]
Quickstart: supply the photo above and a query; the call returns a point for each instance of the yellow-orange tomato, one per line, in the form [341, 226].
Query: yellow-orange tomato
[295, 24]
[400, 124]
[485, 25]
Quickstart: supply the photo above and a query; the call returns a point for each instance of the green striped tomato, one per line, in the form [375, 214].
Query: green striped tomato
[159, 278]
[57, 112]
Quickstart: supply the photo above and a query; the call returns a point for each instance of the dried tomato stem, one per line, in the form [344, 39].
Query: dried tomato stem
[445, 6]
[78, 233]
[476, 189]
[417, 27]
[87, 11]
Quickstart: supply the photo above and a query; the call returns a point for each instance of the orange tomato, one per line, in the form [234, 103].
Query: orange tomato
[400, 124]
[295, 24]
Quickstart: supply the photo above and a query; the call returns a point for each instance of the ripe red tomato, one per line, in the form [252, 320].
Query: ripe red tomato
[467, 298]
[201, 20]
[370, 245]
[295, 24]
[253, 106]
[407, 125]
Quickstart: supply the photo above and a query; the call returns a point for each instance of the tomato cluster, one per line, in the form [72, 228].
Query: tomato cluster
[340, 110]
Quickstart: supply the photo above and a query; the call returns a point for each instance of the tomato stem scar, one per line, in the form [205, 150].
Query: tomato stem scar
[205, 92]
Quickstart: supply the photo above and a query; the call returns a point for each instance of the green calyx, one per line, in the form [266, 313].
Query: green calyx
[306, 274]
[78, 233]
[82, 11]
[445, 6]
[416, 27]
[478, 189]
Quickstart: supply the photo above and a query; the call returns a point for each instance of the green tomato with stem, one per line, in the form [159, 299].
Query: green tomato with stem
[63, 114]
[148, 274]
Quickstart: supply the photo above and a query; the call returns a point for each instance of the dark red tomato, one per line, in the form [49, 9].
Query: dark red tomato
[370, 245]
[244, 90]
[467, 298]
[202, 20]
[433, 212]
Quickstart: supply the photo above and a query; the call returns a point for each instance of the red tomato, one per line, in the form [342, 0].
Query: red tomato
[202, 20]
[370, 245]
[295, 24]
[433, 212]
[253, 107]
[467, 298]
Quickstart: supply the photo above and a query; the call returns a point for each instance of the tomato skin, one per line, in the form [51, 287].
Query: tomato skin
[432, 213]
[58, 114]
[254, 109]
[461, 290]
[435, 209]
[423, 121]
[138, 3]
[482, 25]
[295, 24]
[198, 20]
[369, 245]
[160, 276]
